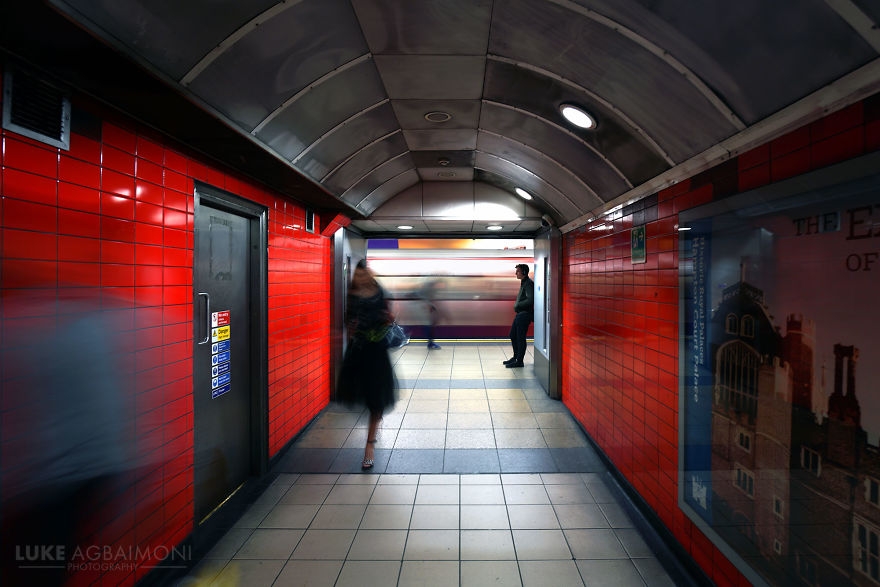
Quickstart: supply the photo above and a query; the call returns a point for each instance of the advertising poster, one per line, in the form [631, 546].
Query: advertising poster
[780, 383]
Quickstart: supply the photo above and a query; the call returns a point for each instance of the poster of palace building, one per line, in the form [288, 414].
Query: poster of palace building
[780, 371]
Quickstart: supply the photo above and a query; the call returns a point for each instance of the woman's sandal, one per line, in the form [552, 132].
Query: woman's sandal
[368, 463]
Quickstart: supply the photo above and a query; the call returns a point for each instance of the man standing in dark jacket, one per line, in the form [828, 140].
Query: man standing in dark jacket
[525, 313]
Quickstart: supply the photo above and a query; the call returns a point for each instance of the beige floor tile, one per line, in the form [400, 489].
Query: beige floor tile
[481, 573]
[324, 544]
[228, 545]
[391, 479]
[290, 516]
[466, 394]
[438, 495]
[561, 479]
[508, 394]
[484, 517]
[556, 420]
[564, 438]
[394, 494]
[613, 573]
[439, 479]
[514, 420]
[386, 517]
[433, 573]
[473, 420]
[258, 573]
[584, 515]
[428, 406]
[470, 439]
[303, 494]
[424, 421]
[568, 494]
[525, 494]
[481, 479]
[616, 515]
[435, 517]
[595, 543]
[541, 545]
[482, 494]
[521, 479]
[532, 517]
[302, 573]
[361, 573]
[487, 545]
[468, 406]
[383, 545]
[350, 494]
[519, 438]
[544, 573]
[338, 517]
[269, 544]
[430, 394]
[509, 405]
[432, 545]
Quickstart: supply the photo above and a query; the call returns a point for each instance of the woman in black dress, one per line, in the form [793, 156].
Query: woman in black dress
[366, 377]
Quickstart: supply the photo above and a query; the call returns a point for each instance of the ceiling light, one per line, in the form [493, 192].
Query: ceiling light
[577, 116]
[438, 116]
[404, 227]
[494, 227]
[523, 193]
[680, 228]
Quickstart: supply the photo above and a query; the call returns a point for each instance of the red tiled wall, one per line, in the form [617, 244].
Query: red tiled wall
[620, 321]
[111, 219]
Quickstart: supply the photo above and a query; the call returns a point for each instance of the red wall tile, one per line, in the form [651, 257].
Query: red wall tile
[621, 320]
[112, 220]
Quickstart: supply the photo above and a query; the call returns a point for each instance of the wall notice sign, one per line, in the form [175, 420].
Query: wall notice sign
[221, 333]
[220, 318]
[221, 354]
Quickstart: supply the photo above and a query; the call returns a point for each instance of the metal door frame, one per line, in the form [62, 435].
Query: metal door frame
[257, 217]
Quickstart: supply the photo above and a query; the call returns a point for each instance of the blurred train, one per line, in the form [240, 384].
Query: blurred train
[473, 283]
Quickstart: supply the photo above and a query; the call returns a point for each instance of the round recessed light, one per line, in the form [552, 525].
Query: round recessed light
[577, 116]
[494, 227]
[523, 193]
[438, 116]
[404, 227]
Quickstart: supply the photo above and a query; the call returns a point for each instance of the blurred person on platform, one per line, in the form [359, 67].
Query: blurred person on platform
[524, 310]
[68, 439]
[428, 293]
[366, 377]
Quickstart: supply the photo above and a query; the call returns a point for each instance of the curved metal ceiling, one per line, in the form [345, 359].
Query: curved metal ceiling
[344, 91]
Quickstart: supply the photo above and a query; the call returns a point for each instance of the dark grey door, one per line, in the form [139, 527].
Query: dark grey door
[222, 403]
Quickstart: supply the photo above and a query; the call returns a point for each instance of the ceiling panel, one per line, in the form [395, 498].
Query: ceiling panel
[274, 61]
[447, 27]
[322, 107]
[350, 104]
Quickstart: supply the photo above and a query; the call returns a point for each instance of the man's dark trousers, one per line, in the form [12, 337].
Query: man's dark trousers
[518, 331]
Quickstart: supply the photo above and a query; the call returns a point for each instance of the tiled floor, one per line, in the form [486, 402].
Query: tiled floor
[480, 479]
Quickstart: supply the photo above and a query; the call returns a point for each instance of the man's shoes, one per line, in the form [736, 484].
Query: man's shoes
[514, 365]
[433, 346]
[508, 361]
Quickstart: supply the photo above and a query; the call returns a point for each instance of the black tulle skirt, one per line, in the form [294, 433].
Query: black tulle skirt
[367, 378]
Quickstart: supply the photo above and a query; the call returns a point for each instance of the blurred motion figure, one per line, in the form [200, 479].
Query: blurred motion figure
[366, 377]
[71, 441]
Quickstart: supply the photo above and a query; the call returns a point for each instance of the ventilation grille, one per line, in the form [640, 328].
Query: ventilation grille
[310, 221]
[35, 109]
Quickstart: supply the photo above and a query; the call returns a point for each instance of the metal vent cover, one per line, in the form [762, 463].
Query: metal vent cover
[35, 109]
